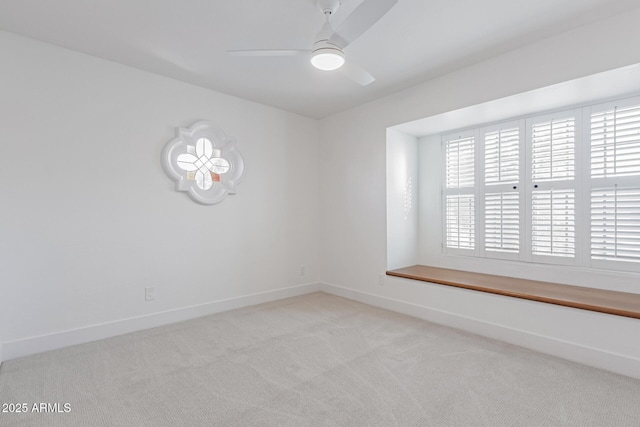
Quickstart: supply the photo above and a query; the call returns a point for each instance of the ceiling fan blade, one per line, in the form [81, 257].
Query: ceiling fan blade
[268, 52]
[360, 20]
[357, 73]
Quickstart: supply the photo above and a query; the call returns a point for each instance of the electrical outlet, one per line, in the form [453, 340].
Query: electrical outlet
[149, 293]
[303, 270]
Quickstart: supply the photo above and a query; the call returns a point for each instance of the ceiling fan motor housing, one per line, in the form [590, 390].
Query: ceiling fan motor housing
[328, 6]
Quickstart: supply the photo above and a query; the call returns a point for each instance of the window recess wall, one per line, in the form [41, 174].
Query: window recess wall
[429, 183]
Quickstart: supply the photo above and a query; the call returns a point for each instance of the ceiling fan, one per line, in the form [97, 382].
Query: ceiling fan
[327, 52]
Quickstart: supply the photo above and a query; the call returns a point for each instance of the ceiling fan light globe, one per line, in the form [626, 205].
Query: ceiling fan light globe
[327, 59]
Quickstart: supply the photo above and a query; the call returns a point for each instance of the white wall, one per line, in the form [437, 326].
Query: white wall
[89, 218]
[430, 222]
[353, 237]
[402, 200]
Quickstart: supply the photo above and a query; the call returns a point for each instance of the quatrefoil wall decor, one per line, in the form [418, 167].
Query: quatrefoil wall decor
[204, 162]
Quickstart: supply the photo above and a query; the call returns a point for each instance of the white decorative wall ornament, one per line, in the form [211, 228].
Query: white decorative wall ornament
[204, 162]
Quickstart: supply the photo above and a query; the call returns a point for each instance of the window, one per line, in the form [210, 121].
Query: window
[560, 188]
[204, 162]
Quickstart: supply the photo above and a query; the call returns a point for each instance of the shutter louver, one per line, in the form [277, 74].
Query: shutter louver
[615, 142]
[553, 223]
[615, 224]
[502, 222]
[553, 150]
[502, 156]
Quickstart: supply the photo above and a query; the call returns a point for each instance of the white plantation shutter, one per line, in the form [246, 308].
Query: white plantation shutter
[502, 149]
[553, 223]
[460, 220]
[553, 150]
[460, 158]
[615, 142]
[558, 188]
[460, 192]
[502, 156]
[615, 224]
[615, 185]
[502, 222]
[552, 193]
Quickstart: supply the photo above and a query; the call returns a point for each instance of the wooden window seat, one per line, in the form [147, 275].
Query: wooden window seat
[604, 301]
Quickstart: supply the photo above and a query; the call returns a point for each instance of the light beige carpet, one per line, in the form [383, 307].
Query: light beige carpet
[315, 360]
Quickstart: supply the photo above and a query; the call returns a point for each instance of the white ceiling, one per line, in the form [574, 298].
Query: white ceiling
[188, 40]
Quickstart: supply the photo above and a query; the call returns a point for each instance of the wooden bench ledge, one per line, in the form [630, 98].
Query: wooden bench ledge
[604, 301]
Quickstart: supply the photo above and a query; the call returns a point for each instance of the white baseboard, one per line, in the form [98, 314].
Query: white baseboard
[39, 344]
[597, 358]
